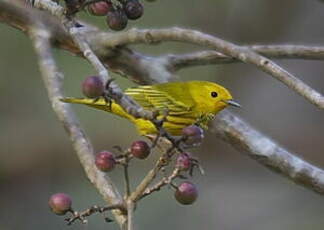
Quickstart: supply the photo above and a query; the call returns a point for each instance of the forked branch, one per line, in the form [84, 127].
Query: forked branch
[53, 80]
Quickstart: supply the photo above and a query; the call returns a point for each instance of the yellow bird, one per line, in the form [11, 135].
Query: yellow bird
[187, 103]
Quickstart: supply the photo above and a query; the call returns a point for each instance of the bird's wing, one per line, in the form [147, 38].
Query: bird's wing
[154, 98]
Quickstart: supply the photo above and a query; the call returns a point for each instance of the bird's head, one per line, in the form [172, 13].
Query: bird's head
[212, 98]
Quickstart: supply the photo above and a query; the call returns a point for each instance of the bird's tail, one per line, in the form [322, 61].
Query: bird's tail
[100, 104]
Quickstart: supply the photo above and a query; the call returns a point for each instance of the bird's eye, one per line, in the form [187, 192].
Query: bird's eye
[214, 94]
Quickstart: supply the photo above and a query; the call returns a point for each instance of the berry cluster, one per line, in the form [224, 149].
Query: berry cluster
[185, 193]
[117, 14]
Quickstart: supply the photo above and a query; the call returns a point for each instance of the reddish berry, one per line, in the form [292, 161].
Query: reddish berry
[100, 8]
[184, 161]
[92, 87]
[105, 161]
[133, 9]
[186, 193]
[117, 19]
[193, 134]
[60, 203]
[140, 149]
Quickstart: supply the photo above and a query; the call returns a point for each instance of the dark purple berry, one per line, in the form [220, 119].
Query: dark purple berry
[140, 149]
[186, 193]
[105, 161]
[60, 203]
[117, 19]
[184, 161]
[192, 130]
[92, 87]
[100, 8]
[134, 9]
[193, 135]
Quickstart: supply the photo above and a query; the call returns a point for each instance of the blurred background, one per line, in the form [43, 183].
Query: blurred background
[37, 159]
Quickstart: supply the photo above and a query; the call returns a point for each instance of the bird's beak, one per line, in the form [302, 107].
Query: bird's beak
[232, 103]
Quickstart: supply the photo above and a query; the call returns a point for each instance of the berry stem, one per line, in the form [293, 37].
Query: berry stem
[126, 175]
[88, 212]
[164, 181]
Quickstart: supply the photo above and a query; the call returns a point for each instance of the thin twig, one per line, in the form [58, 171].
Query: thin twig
[53, 81]
[88, 212]
[126, 175]
[164, 145]
[164, 181]
[150, 176]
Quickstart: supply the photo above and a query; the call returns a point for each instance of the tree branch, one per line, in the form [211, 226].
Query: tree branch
[268, 153]
[126, 102]
[135, 36]
[134, 64]
[271, 51]
[130, 215]
[82, 145]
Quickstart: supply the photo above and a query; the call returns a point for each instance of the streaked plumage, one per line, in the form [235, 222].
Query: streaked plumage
[186, 102]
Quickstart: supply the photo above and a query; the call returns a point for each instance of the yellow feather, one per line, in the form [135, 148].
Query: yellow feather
[186, 103]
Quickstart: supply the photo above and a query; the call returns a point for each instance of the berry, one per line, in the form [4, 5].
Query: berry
[184, 161]
[105, 161]
[60, 203]
[92, 87]
[133, 9]
[193, 135]
[100, 8]
[186, 193]
[117, 19]
[140, 149]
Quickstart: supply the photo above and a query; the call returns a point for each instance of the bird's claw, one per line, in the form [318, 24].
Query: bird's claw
[107, 95]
